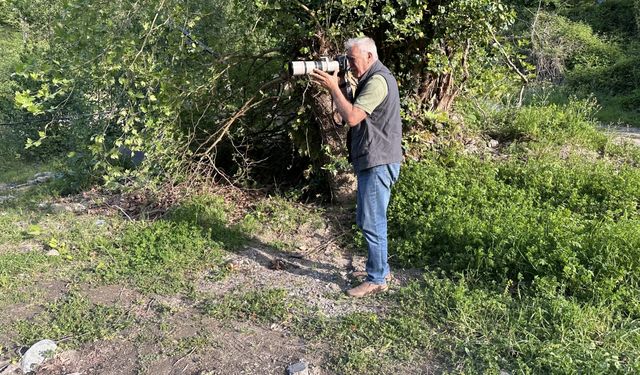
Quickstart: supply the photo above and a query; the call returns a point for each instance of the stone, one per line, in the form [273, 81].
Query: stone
[42, 177]
[298, 368]
[493, 143]
[53, 253]
[68, 207]
[6, 198]
[37, 354]
[100, 222]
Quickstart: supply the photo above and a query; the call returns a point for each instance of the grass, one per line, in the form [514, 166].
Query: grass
[615, 110]
[263, 306]
[73, 320]
[279, 220]
[160, 257]
[19, 272]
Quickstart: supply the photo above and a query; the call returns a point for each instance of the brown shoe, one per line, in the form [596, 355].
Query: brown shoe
[366, 289]
[387, 278]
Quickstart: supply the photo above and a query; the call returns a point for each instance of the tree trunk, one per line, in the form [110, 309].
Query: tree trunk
[343, 183]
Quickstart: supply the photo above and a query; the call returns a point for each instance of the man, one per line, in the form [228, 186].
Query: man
[375, 150]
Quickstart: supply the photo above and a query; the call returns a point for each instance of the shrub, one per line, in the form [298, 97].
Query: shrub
[503, 221]
[561, 44]
[558, 123]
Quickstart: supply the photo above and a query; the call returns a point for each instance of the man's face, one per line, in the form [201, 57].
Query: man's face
[359, 61]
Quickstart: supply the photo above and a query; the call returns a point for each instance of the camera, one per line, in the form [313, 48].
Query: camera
[340, 63]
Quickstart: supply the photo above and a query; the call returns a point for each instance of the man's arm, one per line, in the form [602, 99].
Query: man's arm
[351, 114]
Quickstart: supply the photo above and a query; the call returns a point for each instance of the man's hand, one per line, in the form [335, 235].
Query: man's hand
[352, 115]
[326, 80]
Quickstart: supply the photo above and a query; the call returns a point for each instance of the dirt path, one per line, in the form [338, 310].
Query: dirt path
[625, 132]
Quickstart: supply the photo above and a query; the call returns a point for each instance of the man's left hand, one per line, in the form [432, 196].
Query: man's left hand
[326, 80]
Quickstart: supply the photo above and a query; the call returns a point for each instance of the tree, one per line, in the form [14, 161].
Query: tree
[200, 85]
[428, 45]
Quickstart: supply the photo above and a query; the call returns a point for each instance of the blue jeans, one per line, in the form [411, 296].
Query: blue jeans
[374, 191]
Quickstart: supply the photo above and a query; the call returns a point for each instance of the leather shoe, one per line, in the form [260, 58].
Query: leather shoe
[367, 288]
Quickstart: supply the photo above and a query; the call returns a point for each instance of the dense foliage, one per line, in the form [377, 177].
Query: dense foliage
[189, 85]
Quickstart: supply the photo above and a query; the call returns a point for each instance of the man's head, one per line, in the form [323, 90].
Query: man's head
[362, 53]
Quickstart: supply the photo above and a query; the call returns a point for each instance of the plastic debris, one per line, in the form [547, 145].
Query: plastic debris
[37, 354]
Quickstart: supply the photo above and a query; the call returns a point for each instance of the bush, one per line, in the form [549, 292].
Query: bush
[561, 44]
[557, 123]
[563, 222]
[616, 17]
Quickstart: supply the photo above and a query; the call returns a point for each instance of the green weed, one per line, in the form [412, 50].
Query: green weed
[186, 345]
[558, 124]
[369, 342]
[453, 324]
[568, 221]
[159, 256]
[488, 330]
[19, 271]
[210, 213]
[264, 306]
[74, 320]
[279, 220]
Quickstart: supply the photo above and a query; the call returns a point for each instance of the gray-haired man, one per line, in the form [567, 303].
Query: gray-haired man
[375, 150]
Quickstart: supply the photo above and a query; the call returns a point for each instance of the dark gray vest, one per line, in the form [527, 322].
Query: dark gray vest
[377, 140]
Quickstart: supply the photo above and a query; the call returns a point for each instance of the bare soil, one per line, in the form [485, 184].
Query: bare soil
[171, 335]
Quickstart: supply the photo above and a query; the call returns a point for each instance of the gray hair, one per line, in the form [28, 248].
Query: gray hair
[364, 43]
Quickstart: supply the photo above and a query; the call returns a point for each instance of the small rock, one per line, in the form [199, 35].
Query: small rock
[100, 222]
[6, 198]
[68, 207]
[42, 177]
[53, 253]
[37, 354]
[493, 143]
[278, 264]
[299, 368]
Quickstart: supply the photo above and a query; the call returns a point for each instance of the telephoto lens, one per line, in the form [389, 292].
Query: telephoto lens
[298, 68]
